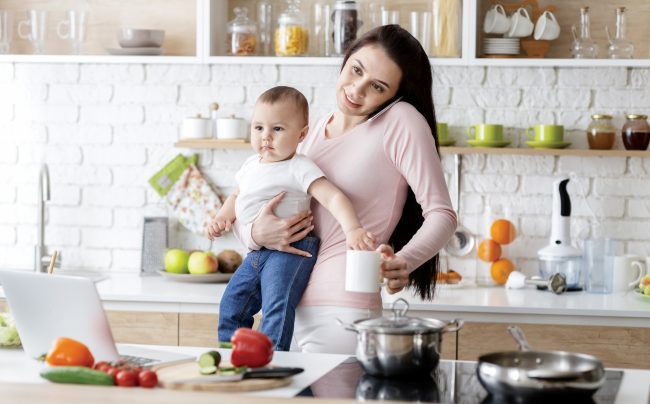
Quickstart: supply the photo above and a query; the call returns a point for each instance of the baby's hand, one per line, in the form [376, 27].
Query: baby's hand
[360, 239]
[218, 226]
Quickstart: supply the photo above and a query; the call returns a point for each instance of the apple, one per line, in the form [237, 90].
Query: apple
[645, 280]
[176, 261]
[202, 263]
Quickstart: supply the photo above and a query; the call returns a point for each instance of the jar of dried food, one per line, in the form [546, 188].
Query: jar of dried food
[292, 34]
[242, 34]
[601, 132]
[346, 24]
[636, 132]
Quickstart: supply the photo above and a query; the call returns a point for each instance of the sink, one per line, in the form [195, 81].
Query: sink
[95, 276]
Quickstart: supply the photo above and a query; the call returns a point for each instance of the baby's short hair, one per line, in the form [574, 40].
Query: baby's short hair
[285, 93]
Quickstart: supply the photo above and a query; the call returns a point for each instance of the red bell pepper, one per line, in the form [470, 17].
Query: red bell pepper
[250, 348]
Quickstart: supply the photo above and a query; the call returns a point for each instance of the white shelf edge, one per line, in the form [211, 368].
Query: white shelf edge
[99, 59]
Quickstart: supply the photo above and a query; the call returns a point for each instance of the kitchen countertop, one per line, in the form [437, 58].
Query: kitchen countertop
[17, 370]
[471, 303]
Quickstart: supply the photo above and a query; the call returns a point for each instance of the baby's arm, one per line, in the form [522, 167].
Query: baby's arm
[223, 220]
[335, 201]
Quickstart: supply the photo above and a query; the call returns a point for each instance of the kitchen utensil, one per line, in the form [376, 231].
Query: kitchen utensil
[539, 374]
[556, 283]
[400, 346]
[55, 254]
[232, 128]
[462, 241]
[597, 262]
[627, 270]
[154, 244]
[197, 127]
[259, 373]
[216, 277]
[415, 390]
[560, 256]
[140, 38]
[362, 271]
[172, 377]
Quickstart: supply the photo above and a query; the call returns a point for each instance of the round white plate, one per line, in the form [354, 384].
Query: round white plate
[152, 51]
[216, 277]
[641, 295]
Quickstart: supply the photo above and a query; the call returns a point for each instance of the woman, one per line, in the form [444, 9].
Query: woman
[389, 167]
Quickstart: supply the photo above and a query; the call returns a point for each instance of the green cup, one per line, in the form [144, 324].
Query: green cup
[485, 132]
[443, 131]
[546, 133]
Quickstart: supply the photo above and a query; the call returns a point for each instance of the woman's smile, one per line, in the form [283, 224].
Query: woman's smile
[349, 101]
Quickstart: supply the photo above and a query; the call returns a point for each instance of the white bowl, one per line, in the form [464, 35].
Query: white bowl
[140, 38]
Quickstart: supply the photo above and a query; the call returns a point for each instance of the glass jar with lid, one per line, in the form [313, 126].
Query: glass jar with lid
[346, 24]
[242, 34]
[601, 132]
[636, 132]
[291, 34]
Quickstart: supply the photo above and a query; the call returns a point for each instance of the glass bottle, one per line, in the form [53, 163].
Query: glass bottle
[601, 132]
[265, 24]
[584, 47]
[291, 35]
[619, 47]
[242, 34]
[636, 132]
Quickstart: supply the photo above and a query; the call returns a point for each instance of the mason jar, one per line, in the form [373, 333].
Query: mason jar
[601, 132]
[636, 132]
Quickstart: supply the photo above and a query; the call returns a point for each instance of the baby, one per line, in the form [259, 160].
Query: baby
[268, 279]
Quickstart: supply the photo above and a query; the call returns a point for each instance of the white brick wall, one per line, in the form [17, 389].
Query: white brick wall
[105, 129]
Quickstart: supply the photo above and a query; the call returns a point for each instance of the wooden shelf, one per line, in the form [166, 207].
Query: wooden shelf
[213, 144]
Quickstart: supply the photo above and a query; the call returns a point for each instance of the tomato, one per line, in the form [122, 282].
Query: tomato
[125, 378]
[99, 365]
[104, 367]
[113, 372]
[148, 379]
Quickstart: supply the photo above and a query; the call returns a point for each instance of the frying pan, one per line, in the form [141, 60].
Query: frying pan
[527, 373]
[462, 241]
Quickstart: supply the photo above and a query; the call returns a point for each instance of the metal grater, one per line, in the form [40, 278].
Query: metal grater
[154, 244]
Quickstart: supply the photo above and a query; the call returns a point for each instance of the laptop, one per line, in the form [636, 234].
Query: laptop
[46, 307]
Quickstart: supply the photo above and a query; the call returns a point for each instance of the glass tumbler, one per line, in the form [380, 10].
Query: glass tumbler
[5, 31]
[36, 23]
[598, 264]
[73, 29]
[421, 28]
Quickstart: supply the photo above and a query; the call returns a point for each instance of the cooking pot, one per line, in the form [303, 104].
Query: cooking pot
[531, 374]
[399, 345]
[418, 389]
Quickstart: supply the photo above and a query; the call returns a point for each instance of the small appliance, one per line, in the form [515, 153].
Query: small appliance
[560, 256]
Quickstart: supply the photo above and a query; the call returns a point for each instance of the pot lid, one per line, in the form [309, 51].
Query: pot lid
[399, 323]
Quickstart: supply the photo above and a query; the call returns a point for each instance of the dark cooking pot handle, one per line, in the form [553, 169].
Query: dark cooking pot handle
[552, 375]
[453, 326]
[347, 326]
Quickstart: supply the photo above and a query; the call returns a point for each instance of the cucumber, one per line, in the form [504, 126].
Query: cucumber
[76, 375]
[209, 359]
[208, 370]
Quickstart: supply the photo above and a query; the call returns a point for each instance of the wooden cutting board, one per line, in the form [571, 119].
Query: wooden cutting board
[169, 374]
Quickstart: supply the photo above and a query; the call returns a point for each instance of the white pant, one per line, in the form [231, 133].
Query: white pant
[317, 331]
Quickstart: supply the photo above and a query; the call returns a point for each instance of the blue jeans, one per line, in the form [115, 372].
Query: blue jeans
[273, 281]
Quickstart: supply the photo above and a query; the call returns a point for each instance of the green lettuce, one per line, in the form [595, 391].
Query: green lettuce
[8, 332]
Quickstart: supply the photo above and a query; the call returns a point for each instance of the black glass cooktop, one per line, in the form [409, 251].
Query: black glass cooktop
[453, 382]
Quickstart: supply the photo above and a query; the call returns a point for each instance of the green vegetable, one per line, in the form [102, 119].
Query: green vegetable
[208, 370]
[8, 332]
[209, 359]
[233, 370]
[76, 375]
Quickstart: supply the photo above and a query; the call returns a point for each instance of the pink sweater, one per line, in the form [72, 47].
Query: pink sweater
[374, 164]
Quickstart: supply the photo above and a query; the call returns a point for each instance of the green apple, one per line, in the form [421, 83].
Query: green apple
[647, 291]
[176, 261]
[202, 263]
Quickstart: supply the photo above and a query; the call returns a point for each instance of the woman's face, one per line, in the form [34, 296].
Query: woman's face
[368, 80]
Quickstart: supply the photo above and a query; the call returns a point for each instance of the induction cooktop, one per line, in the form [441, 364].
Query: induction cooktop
[453, 382]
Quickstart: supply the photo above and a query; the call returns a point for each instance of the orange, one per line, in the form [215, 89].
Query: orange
[500, 270]
[489, 250]
[503, 231]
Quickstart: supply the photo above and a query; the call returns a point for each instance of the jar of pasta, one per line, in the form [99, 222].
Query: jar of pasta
[291, 35]
[242, 34]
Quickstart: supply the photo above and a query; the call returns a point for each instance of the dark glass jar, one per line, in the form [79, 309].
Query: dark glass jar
[346, 24]
[601, 132]
[636, 132]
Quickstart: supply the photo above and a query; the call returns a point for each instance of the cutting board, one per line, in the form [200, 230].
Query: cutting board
[169, 374]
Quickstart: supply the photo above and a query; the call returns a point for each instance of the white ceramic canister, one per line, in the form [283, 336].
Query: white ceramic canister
[232, 128]
[197, 127]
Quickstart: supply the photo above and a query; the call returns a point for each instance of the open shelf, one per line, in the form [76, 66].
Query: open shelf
[212, 144]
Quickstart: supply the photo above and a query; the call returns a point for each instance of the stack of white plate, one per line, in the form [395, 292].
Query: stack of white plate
[501, 46]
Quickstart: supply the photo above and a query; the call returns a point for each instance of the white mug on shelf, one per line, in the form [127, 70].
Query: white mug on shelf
[547, 28]
[362, 270]
[628, 271]
[496, 21]
[520, 24]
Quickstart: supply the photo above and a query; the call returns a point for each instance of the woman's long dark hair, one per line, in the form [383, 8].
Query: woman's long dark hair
[414, 88]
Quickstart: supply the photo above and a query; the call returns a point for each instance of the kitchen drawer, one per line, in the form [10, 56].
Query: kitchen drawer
[201, 329]
[134, 327]
[615, 346]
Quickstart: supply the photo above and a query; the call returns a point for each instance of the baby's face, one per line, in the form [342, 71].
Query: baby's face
[276, 130]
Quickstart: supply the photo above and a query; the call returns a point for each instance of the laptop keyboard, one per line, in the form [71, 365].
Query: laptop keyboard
[137, 360]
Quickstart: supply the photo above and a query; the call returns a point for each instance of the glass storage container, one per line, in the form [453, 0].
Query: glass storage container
[636, 132]
[619, 47]
[346, 24]
[584, 47]
[494, 261]
[291, 34]
[601, 132]
[242, 34]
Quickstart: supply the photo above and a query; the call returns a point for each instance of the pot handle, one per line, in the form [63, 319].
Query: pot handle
[453, 326]
[347, 326]
[518, 334]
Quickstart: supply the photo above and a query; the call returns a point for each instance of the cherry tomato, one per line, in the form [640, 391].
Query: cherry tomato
[148, 379]
[104, 367]
[125, 378]
[113, 372]
[99, 365]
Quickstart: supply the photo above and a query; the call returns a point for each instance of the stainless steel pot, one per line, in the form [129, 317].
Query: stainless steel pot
[528, 373]
[399, 346]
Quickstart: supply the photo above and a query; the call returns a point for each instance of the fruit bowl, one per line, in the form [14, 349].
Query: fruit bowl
[215, 277]
[642, 295]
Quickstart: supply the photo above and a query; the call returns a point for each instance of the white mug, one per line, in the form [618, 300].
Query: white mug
[628, 271]
[520, 24]
[362, 269]
[546, 28]
[496, 21]
[197, 127]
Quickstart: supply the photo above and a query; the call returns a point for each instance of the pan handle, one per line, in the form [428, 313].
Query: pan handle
[347, 326]
[552, 375]
[519, 337]
[453, 326]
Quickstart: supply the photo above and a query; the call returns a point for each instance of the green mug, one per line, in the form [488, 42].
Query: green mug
[443, 131]
[546, 133]
[485, 132]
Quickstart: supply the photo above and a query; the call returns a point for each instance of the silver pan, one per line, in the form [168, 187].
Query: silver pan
[527, 373]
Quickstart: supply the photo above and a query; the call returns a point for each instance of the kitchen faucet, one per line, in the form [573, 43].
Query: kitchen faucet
[41, 259]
